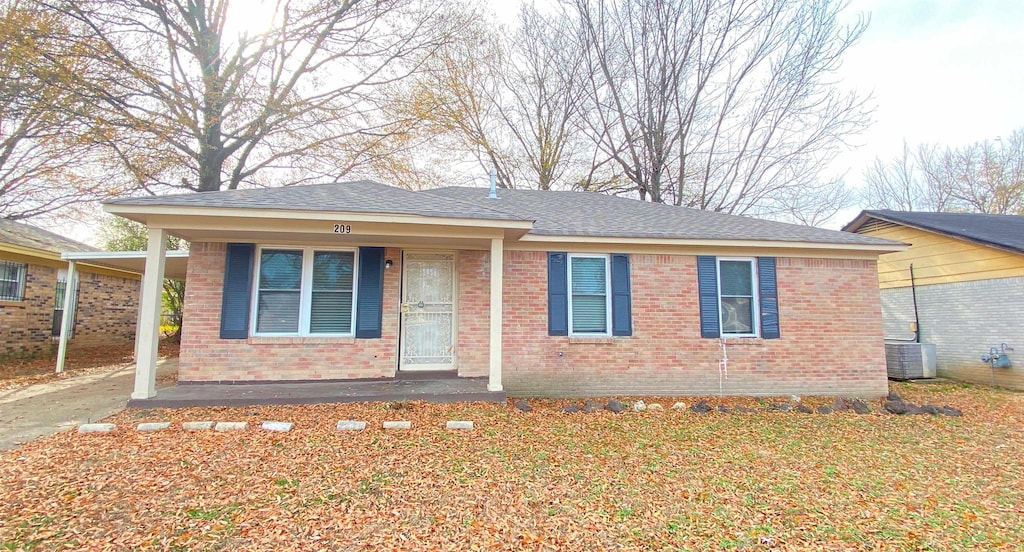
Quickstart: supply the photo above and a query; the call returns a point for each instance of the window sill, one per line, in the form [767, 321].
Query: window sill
[751, 341]
[596, 340]
[299, 340]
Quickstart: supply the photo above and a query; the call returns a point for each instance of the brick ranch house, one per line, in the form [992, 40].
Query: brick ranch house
[597, 295]
[33, 279]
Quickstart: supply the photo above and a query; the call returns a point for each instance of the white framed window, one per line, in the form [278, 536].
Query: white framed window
[12, 280]
[304, 291]
[737, 297]
[590, 298]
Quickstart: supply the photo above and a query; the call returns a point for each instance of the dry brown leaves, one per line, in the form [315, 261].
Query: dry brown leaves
[539, 481]
[80, 361]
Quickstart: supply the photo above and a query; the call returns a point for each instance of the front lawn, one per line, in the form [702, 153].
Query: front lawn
[539, 480]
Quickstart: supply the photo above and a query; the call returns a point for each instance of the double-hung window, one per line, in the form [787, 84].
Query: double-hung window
[737, 297]
[305, 291]
[12, 281]
[590, 306]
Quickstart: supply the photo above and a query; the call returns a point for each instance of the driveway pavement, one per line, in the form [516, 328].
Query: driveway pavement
[27, 413]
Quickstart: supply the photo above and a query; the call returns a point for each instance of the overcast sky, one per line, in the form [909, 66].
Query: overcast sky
[940, 71]
[946, 71]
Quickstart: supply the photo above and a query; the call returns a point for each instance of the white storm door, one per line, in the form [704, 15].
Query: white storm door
[428, 311]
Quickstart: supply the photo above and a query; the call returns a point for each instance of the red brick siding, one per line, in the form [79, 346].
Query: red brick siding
[108, 309]
[106, 313]
[831, 336]
[829, 310]
[206, 357]
[474, 322]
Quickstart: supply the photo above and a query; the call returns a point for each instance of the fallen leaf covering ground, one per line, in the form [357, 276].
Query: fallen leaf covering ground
[542, 480]
[16, 373]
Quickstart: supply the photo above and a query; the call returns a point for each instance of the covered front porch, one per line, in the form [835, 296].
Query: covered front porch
[291, 306]
[435, 390]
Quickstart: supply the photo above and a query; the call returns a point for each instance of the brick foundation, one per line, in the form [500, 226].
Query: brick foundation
[829, 310]
[106, 313]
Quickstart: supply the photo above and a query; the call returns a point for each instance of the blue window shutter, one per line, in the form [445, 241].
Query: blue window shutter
[767, 288]
[234, 307]
[707, 288]
[370, 297]
[622, 317]
[558, 294]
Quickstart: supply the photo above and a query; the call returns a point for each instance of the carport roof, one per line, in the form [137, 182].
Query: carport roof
[175, 266]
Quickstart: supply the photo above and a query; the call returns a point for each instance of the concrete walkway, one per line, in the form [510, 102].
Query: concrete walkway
[27, 413]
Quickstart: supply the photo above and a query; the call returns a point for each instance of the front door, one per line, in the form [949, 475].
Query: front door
[428, 311]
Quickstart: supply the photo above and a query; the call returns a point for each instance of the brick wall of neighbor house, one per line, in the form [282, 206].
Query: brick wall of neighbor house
[107, 312]
[830, 320]
[964, 320]
[27, 324]
[108, 309]
[206, 357]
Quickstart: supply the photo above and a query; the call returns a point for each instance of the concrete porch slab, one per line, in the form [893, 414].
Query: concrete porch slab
[449, 390]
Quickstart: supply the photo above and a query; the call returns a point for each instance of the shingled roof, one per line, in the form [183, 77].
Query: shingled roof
[361, 196]
[563, 213]
[553, 213]
[26, 235]
[999, 231]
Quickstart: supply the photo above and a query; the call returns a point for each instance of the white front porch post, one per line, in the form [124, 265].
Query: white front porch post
[149, 319]
[67, 317]
[138, 317]
[497, 258]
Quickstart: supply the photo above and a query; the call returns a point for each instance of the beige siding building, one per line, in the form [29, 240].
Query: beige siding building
[967, 272]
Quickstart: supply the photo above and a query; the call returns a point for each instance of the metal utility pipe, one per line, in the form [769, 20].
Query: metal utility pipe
[917, 319]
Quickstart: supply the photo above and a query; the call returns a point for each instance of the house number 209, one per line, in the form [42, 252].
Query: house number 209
[342, 228]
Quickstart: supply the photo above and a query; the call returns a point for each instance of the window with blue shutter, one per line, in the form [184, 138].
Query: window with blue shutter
[234, 309]
[304, 291]
[558, 300]
[738, 297]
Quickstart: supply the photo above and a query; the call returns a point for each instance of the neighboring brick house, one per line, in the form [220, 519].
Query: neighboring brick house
[33, 278]
[968, 278]
[600, 295]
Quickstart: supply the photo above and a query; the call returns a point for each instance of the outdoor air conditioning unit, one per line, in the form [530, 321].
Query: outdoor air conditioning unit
[906, 361]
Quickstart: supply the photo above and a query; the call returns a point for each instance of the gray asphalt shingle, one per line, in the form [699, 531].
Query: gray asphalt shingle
[562, 213]
[555, 213]
[26, 235]
[1003, 231]
[360, 196]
